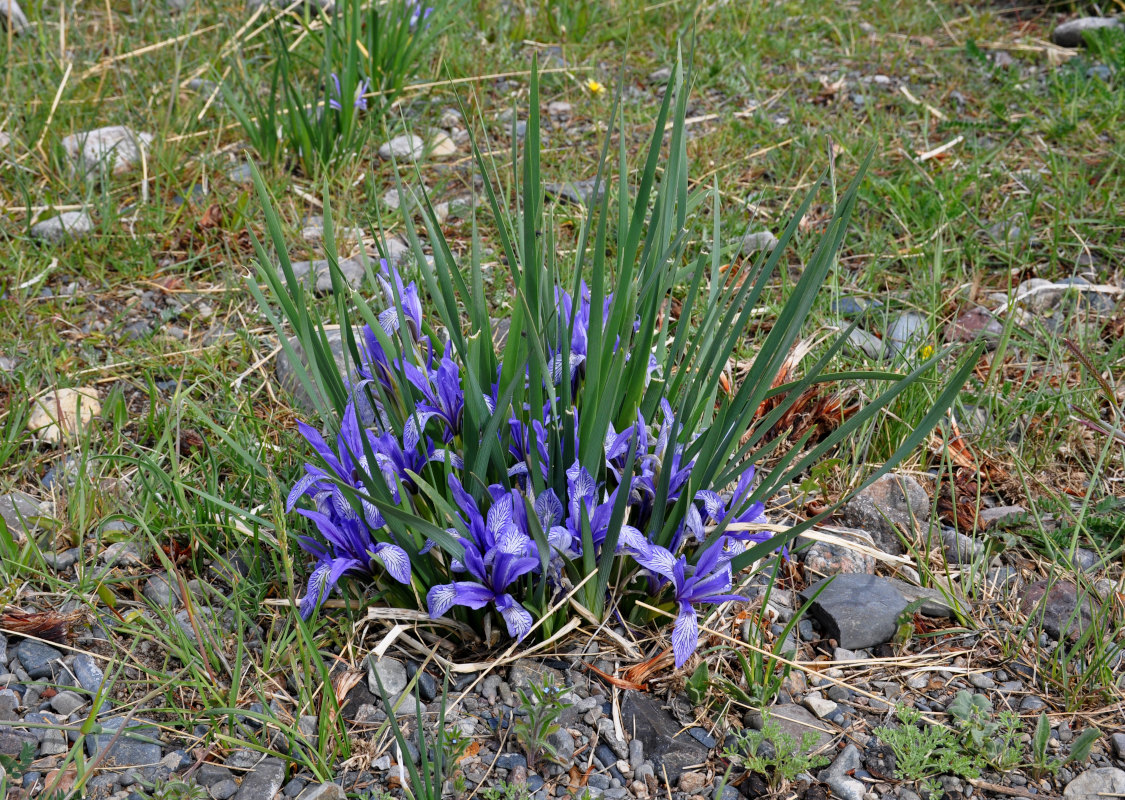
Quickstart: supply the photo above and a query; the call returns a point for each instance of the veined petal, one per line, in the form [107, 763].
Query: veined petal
[518, 619]
[394, 558]
[713, 504]
[685, 634]
[302, 486]
[316, 591]
[388, 320]
[657, 560]
[548, 509]
[513, 542]
[441, 455]
[561, 539]
[631, 540]
[500, 517]
[443, 597]
[323, 579]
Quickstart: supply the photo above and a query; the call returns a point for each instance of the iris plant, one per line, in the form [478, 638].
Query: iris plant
[516, 539]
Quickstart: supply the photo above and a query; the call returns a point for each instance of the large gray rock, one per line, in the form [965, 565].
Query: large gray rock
[1073, 33]
[12, 741]
[959, 548]
[88, 673]
[137, 745]
[934, 603]
[116, 147]
[287, 373]
[13, 16]
[1059, 606]
[323, 791]
[579, 193]
[263, 782]
[317, 275]
[1096, 784]
[825, 558]
[524, 675]
[893, 500]
[857, 610]
[67, 225]
[40, 660]
[21, 513]
[391, 673]
[670, 748]
[757, 241]
[906, 334]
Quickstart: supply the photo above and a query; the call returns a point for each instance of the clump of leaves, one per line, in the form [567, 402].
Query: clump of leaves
[505, 791]
[923, 752]
[696, 685]
[773, 753]
[175, 790]
[539, 719]
[15, 766]
[1041, 763]
[994, 740]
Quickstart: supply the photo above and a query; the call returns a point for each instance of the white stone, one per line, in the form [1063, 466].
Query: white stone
[406, 146]
[13, 15]
[117, 146]
[65, 412]
[442, 145]
[1095, 784]
[819, 705]
[67, 225]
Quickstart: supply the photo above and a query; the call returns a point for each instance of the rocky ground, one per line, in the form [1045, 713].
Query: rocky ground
[621, 734]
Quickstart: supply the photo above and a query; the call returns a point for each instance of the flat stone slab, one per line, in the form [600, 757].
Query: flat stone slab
[857, 610]
[263, 781]
[671, 748]
[287, 373]
[137, 745]
[796, 721]
[1096, 784]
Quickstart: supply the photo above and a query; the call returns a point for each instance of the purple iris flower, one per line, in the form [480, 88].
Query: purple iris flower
[374, 364]
[442, 396]
[359, 102]
[350, 545]
[717, 512]
[418, 13]
[395, 293]
[494, 533]
[709, 581]
[491, 585]
[582, 497]
[579, 336]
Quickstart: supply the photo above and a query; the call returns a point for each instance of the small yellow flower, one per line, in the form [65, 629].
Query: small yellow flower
[596, 89]
[927, 351]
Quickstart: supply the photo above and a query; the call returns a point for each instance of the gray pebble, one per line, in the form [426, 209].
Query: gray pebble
[1031, 703]
[67, 225]
[223, 789]
[981, 680]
